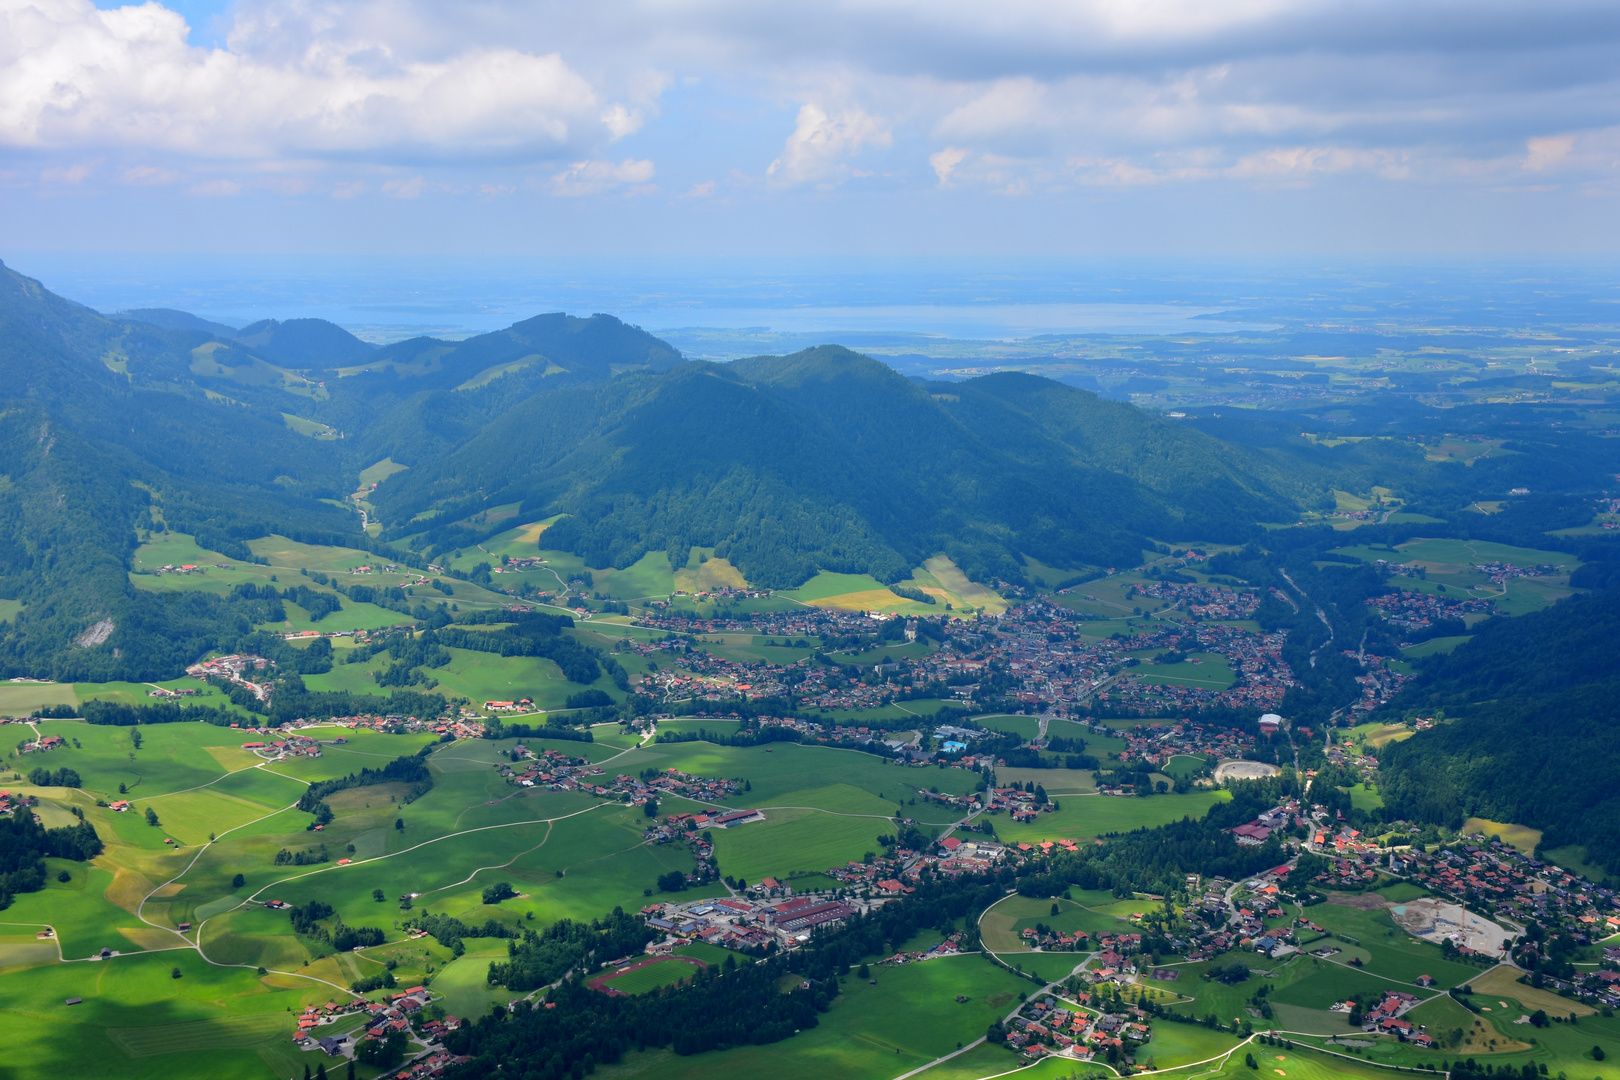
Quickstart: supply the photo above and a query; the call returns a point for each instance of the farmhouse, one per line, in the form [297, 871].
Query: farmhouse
[737, 817]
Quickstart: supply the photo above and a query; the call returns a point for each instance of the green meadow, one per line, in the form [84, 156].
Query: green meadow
[565, 855]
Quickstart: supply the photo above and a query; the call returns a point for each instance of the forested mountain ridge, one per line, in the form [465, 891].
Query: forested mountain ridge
[1534, 732]
[94, 440]
[827, 460]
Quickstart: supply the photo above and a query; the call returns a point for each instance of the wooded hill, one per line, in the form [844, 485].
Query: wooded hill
[1532, 734]
[827, 460]
[823, 460]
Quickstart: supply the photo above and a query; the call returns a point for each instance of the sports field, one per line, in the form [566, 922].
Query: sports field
[645, 975]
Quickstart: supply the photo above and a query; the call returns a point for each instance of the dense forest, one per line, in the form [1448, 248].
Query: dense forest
[25, 844]
[1532, 736]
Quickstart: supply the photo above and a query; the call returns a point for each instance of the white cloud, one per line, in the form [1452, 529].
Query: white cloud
[621, 121]
[1303, 162]
[349, 189]
[69, 174]
[71, 74]
[148, 175]
[820, 143]
[216, 188]
[1547, 151]
[595, 177]
[404, 189]
[699, 191]
[946, 161]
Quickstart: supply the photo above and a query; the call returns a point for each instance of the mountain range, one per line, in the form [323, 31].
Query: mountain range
[787, 465]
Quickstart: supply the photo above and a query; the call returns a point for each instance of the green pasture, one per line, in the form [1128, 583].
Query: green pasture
[1002, 924]
[885, 654]
[1434, 645]
[464, 982]
[906, 712]
[1025, 727]
[1387, 950]
[1184, 765]
[20, 699]
[1211, 672]
[382, 470]
[871, 1032]
[779, 771]
[856, 592]
[1085, 816]
[136, 1021]
[793, 841]
[1174, 1045]
[1055, 781]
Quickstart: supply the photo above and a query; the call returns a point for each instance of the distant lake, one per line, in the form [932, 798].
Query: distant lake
[385, 298]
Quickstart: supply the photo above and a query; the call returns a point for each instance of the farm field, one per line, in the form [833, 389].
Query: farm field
[189, 893]
[1451, 563]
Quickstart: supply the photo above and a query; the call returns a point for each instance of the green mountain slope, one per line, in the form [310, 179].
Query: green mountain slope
[303, 343]
[827, 460]
[98, 438]
[1534, 736]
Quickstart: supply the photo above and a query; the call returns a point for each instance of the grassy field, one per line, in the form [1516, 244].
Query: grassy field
[1083, 816]
[1211, 671]
[565, 854]
[1521, 837]
[1449, 565]
[20, 699]
[658, 974]
[871, 1032]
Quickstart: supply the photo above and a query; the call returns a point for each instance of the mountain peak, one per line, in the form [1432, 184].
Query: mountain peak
[302, 343]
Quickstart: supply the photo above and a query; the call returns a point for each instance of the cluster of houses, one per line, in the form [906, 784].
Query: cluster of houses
[949, 947]
[42, 745]
[1385, 1018]
[1156, 742]
[1263, 676]
[1500, 572]
[1203, 601]
[236, 668]
[293, 744]
[1049, 1025]
[383, 1018]
[552, 770]
[1527, 891]
[1411, 610]
[11, 801]
[1260, 829]
[958, 856]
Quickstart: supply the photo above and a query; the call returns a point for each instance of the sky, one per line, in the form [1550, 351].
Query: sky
[895, 128]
